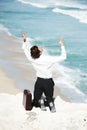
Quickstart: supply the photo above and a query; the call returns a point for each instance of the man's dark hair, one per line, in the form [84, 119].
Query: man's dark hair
[35, 52]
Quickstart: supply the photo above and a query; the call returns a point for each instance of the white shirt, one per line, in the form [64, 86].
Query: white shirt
[44, 63]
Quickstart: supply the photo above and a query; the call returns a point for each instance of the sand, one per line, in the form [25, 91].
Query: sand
[7, 85]
[68, 116]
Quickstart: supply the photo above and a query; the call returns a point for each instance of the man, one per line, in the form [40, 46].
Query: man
[42, 65]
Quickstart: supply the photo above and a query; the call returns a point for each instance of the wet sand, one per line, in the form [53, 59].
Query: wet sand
[7, 85]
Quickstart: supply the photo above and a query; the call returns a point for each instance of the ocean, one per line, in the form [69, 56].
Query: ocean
[44, 22]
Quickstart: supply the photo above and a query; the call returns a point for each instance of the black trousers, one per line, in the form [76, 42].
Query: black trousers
[45, 86]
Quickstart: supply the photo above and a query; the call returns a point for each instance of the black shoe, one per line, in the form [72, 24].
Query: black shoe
[52, 107]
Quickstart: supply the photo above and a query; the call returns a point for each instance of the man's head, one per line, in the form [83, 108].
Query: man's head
[36, 52]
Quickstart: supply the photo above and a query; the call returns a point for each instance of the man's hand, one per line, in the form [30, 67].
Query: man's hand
[61, 41]
[24, 37]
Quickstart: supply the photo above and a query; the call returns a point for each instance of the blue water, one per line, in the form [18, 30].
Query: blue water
[44, 22]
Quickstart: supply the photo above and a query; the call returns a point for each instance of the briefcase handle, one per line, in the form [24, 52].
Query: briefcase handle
[26, 91]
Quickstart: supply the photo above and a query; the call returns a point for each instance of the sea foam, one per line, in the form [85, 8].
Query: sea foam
[81, 15]
[3, 30]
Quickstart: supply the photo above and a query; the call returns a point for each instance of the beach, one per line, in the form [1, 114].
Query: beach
[43, 22]
[13, 116]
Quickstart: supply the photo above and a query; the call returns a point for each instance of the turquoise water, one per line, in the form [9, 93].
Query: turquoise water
[44, 22]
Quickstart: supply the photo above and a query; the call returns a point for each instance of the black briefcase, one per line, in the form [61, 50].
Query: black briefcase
[27, 99]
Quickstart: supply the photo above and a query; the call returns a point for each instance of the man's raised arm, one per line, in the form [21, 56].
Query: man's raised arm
[63, 51]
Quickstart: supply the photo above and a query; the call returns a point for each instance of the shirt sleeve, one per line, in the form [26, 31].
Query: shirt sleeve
[26, 47]
[60, 58]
